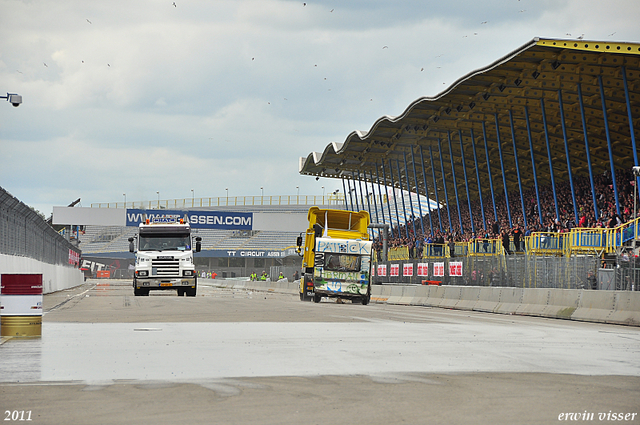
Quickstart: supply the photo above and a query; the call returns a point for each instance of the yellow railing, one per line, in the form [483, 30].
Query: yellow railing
[398, 253]
[579, 240]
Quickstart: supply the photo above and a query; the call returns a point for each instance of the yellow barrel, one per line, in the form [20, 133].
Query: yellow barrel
[21, 326]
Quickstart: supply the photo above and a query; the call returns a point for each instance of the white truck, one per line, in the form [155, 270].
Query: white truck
[164, 259]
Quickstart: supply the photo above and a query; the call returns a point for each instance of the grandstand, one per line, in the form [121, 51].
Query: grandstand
[556, 121]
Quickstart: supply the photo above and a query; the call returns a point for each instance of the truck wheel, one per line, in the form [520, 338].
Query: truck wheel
[181, 292]
[191, 292]
[365, 299]
[317, 298]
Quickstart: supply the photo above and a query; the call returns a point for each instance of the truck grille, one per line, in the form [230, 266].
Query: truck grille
[165, 267]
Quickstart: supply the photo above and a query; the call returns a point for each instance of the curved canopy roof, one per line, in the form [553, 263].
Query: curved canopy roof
[531, 95]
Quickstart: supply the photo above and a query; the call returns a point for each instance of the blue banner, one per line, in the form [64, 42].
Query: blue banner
[198, 219]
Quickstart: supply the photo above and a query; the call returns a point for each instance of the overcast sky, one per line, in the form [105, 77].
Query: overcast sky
[143, 96]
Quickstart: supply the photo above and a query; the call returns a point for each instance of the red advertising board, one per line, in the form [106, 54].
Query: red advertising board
[21, 284]
[423, 269]
[407, 269]
[382, 269]
[394, 270]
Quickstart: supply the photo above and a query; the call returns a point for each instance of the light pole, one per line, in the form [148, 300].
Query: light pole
[125, 200]
[298, 195]
[227, 189]
[14, 99]
[192, 198]
[322, 195]
[158, 192]
[261, 195]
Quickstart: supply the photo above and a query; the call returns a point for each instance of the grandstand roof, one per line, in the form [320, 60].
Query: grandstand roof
[532, 82]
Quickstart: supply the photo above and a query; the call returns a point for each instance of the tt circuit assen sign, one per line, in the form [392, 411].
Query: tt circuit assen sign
[197, 219]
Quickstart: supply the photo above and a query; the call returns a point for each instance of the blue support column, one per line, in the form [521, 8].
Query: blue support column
[406, 176]
[395, 199]
[633, 135]
[415, 178]
[355, 190]
[546, 137]
[586, 146]
[533, 162]
[566, 149]
[515, 156]
[444, 183]
[435, 188]
[384, 175]
[455, 183]
[361, 193]
[404, 208]
[466, 182]
[504, 179]
[486, 151]
[606, 129]
[350, 195]
[373, 194]
[426, 190]
[346, 207]
[475, 159]
[387, 197]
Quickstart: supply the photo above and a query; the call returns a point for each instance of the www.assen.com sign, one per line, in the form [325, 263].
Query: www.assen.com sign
[197, 219]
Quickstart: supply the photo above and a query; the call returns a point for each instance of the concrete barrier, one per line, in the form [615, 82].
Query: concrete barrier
[451, 296]
[421, 295]
[488, 299]
[436, 295]
[54, 277]
[595, 306]
[616, 307]
[534, 302]
[626, 309]
[469, 296]
[380, 293]
[408, 294]
[396, 294]
[509, 300]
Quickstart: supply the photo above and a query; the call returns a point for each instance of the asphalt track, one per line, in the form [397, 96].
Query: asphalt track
[236, 357]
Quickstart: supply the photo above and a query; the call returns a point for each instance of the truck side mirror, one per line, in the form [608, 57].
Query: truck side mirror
[198, 243]
[131, 247]
[318, 230]
[299, 242]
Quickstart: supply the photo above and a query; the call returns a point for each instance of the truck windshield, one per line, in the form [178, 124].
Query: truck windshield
[160, 242]
[342, 262]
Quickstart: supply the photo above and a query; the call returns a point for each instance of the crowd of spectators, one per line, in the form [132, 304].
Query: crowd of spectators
[443, 227]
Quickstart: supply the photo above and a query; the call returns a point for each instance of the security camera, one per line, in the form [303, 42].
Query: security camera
[15, 99]
[636, 171]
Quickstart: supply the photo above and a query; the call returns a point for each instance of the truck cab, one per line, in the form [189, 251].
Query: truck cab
[336, 261]
[164, 258]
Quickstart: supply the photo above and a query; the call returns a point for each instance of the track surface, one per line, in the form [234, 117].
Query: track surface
[107, 357]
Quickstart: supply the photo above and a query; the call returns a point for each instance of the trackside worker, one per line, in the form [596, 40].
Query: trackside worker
[281, 276]
[264, 276]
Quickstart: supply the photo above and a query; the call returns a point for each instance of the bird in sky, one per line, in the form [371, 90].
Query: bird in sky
[174, 4]
[45, 64]
[89, 21]
[385, 47]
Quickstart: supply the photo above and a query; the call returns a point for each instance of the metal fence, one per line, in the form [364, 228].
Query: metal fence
[24, 233]
[522, 271]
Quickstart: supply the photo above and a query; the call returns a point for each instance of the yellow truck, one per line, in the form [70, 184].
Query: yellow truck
[336, 256]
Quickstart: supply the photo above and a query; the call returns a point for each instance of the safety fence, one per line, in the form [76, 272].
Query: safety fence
[24, 233]
[522, 271]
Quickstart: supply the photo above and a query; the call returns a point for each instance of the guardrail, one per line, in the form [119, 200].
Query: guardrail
[232, 201]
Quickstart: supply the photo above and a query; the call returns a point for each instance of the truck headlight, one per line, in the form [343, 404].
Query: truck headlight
[187, 272]
[142, 272]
